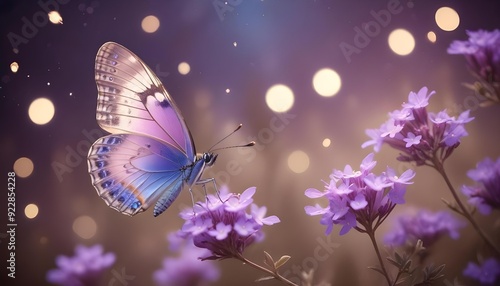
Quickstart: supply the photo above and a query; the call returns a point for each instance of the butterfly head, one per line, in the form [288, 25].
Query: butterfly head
[209, 158]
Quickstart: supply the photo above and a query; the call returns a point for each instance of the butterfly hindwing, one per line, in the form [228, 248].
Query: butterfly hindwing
[130, 172]
[131, 99]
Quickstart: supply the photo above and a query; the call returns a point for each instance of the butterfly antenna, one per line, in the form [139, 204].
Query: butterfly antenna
[249, 144]
[237, 128]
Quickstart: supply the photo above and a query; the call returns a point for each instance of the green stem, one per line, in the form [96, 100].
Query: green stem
[440, 168]
[371, 234]
[276, 275]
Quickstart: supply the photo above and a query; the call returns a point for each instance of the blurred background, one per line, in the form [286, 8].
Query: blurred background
[299, 75]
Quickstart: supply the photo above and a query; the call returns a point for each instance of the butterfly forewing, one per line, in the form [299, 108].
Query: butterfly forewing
[131, 99]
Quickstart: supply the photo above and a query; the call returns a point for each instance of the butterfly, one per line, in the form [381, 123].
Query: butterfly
[150, 155]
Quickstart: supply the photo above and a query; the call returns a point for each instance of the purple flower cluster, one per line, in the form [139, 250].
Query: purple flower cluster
[359, 197]
[486, 194]
[85, 268]
[424, 225]
[186, 269]
[482, 52]
[487, 274]
[422, 137]
[223, 225]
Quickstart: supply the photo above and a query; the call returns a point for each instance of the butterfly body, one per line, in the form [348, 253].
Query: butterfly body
[150, 155]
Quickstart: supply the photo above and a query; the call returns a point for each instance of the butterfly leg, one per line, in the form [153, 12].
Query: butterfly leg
[206, 181]
[192, 197]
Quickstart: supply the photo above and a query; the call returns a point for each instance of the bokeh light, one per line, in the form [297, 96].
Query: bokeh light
[298, 161]
[184, 68]
[41, 111]
[228, 90]
[14, 67]
[150, 24]
[85, 227]
[401, 42]
[326, 142]
[55, 17]
[279, 98]
[431, 36]
[23, 167]
[31, 211]
[447, 19]
[326, 82]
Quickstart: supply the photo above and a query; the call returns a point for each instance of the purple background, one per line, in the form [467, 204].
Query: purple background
[277, 42]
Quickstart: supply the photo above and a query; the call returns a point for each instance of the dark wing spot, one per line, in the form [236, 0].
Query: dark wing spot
[106, 184]
[112, 193]
[135, 205]
[103, 174]
[102, 150]
[100, 164]
[113, 140]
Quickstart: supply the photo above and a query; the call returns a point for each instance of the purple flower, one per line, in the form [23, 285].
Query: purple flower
[485, 195]
[359, 197]
[482, 52]
[225, 228]
[486, 274]
[412, 139]
[418, 100]
[85, 268]
[186, 269]
[424, 225]
[423, 138]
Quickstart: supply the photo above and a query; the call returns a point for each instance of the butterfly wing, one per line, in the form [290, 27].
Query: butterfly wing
[131, 99]
[134, 106]
[130, 171]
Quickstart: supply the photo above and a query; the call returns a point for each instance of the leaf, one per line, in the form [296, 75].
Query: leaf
[452, 206]
[265, 278]
[400, 261]
[402, 279]
[433, 273]
[398, 257]
[269, 261]
[393, 262]
[377, 269]
[407, 266]
[283, 259]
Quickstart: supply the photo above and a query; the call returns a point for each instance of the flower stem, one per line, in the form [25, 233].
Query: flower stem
[276, 275]
[440, 168]
[371, 234]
